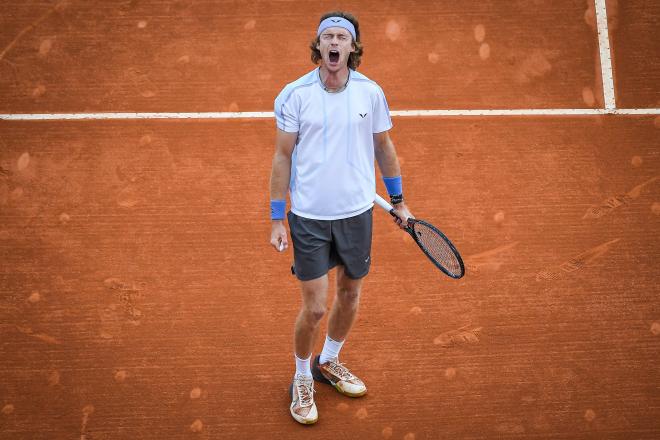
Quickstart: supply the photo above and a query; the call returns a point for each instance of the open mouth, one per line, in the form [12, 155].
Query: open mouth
[333, 56]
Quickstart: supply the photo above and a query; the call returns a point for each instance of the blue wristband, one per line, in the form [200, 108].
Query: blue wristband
[277, 208]
[393, 185]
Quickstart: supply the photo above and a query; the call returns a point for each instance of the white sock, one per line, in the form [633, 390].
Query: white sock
[302, 366]
[330, 350]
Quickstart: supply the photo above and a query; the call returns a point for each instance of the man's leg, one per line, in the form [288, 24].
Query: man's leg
[314, 296]
[345, 306]
[326, 367]
[352, 241]
[314, 299]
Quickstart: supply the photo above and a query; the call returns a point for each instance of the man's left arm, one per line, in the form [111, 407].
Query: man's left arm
[388, 163]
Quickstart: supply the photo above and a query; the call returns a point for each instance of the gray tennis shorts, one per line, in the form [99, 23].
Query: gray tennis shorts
[320, 245]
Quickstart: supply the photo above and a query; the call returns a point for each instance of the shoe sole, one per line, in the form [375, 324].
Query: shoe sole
[319, 377]
[296, 417]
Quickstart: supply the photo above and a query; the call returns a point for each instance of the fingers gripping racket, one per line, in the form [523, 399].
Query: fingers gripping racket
[435, 245]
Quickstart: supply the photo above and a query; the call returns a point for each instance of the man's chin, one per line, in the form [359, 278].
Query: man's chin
[334, 67]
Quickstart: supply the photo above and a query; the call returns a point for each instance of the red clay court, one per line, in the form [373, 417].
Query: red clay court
[140, 298]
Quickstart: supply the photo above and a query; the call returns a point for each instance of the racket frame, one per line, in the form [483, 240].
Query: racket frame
[410, 229]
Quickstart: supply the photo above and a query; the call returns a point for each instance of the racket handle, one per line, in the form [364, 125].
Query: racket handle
[384, 204]
[387, 207]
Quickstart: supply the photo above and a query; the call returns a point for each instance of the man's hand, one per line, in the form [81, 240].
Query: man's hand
[278, 236]
[402, 215]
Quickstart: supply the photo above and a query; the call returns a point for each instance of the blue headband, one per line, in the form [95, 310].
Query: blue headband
[336, 22]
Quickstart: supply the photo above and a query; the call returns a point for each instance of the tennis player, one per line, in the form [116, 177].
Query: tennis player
[331, 125]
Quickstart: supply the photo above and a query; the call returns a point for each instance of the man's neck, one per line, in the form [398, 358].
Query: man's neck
[333, 81]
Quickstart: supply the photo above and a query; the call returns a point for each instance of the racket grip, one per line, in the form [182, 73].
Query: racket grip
[384, 204]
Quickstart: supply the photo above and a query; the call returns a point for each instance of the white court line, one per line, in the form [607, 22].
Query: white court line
[605, 55]
[115, 115]
[267, 115]
[530, 112]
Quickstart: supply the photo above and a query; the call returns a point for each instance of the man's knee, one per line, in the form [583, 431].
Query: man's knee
[313, 314]
[314, 294]
[349, 295]
[348, 289]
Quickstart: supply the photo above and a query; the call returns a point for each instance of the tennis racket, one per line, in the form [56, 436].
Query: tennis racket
[432, 242]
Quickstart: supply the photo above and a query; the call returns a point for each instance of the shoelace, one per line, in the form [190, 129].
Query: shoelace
[339, 370]
[305, 390]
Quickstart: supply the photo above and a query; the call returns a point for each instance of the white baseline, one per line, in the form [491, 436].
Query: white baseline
[267, 115]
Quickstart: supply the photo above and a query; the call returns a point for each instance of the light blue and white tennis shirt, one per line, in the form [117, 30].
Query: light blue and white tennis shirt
[332, 170]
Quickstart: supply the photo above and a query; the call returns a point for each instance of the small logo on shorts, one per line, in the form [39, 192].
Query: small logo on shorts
[362, 115]
[367, 259]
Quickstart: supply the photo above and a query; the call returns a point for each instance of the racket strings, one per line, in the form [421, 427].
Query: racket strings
[437, 247]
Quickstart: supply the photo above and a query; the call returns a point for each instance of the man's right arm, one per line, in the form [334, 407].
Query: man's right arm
[281, 171]
[280, 175]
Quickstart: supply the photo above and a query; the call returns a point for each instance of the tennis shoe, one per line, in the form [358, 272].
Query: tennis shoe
[336, 374]
[303, 408]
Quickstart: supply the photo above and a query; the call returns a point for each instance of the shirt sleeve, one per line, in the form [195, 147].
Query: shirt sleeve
[286, 112]
[381, 120]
